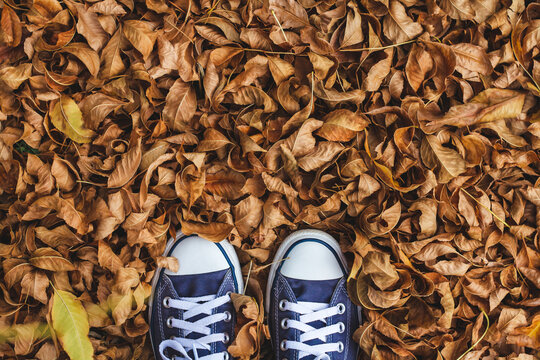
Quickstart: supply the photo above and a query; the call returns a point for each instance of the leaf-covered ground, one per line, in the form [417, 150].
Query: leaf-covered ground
[409, 130]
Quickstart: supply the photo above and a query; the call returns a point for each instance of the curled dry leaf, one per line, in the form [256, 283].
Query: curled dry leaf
[247, 215]
[126, 167]
[398, 26]
[140, 35]
[14, 76]
[342, 125]
[181, 104]
[169, 263]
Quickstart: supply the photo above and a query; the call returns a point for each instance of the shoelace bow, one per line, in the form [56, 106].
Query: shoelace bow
[193, 306]
[311, 312]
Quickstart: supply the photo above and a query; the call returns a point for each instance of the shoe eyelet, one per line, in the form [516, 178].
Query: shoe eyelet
[341, 327]
[228, 316]
[226, 338]
[169, 322]
[171, 338]
[283, 345]
[284, 324]
[166, 303]
[226, 356]
[228, 293]
[341, 347]
[282, 304]
[341, 308]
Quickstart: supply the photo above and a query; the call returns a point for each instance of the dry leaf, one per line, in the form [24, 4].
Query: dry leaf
[67, 117]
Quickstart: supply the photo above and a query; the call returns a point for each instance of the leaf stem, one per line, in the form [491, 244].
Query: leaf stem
[485, 207]
[479, 340]
[379, 47]
[247, 278]
[281, 27]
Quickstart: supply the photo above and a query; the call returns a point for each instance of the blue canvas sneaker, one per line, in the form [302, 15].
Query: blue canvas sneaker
[191, 313]
[310, 314]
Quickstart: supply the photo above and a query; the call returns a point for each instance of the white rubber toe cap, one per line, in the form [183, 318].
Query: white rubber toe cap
[198, 256]
[311, 260]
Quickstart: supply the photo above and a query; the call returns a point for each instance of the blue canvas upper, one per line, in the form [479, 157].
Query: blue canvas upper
[217, 283]
[332, 292]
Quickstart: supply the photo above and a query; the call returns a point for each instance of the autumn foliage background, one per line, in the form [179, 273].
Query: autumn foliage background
[410, 130]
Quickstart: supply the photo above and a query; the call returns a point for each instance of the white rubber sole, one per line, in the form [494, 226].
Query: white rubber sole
[288, 242]
[231, 254]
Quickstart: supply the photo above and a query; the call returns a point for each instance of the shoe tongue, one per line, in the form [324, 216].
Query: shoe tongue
[313, 290]
[198, 284]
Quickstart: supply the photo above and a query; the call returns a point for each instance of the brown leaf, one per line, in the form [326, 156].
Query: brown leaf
[140, 35]
[353, 29]
[419, 64]
[108, 7]
[451, 267]
[428, 217]
[107, 258]
[111, 56]
[226, 183]
[378, 266]
[181, 104]
[323, 153]
[378, 72]
[471, 58]
[342, 125]
[14, 76]
[321, 65]
[213, 140]
[384, 299]
[35, 284]
[61, 172]
[275, 184]
[126, 167]
[170, 263]
[281, 70]
[49, 259]
[355, 96]
[14, 270]
[398, 26]
[47, 352]
[449, 162]
[247, 215]
[489, 105]
[96, 107]
[249, 95]
[55, 237]
[291, 14]
[458, 9]
[90, 27]
[11, 27]
[125, 279]
[211, 231]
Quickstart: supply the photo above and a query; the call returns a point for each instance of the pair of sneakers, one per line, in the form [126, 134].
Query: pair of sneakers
[310, 315]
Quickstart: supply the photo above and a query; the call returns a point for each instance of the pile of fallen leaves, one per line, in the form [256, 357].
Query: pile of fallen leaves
[409, 130]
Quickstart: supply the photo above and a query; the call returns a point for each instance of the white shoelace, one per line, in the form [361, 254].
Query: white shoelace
[193, 306]
[311, 312]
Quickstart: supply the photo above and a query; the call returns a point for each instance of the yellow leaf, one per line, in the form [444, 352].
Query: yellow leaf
[67, 117]
[533, 330]
[70, 322]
